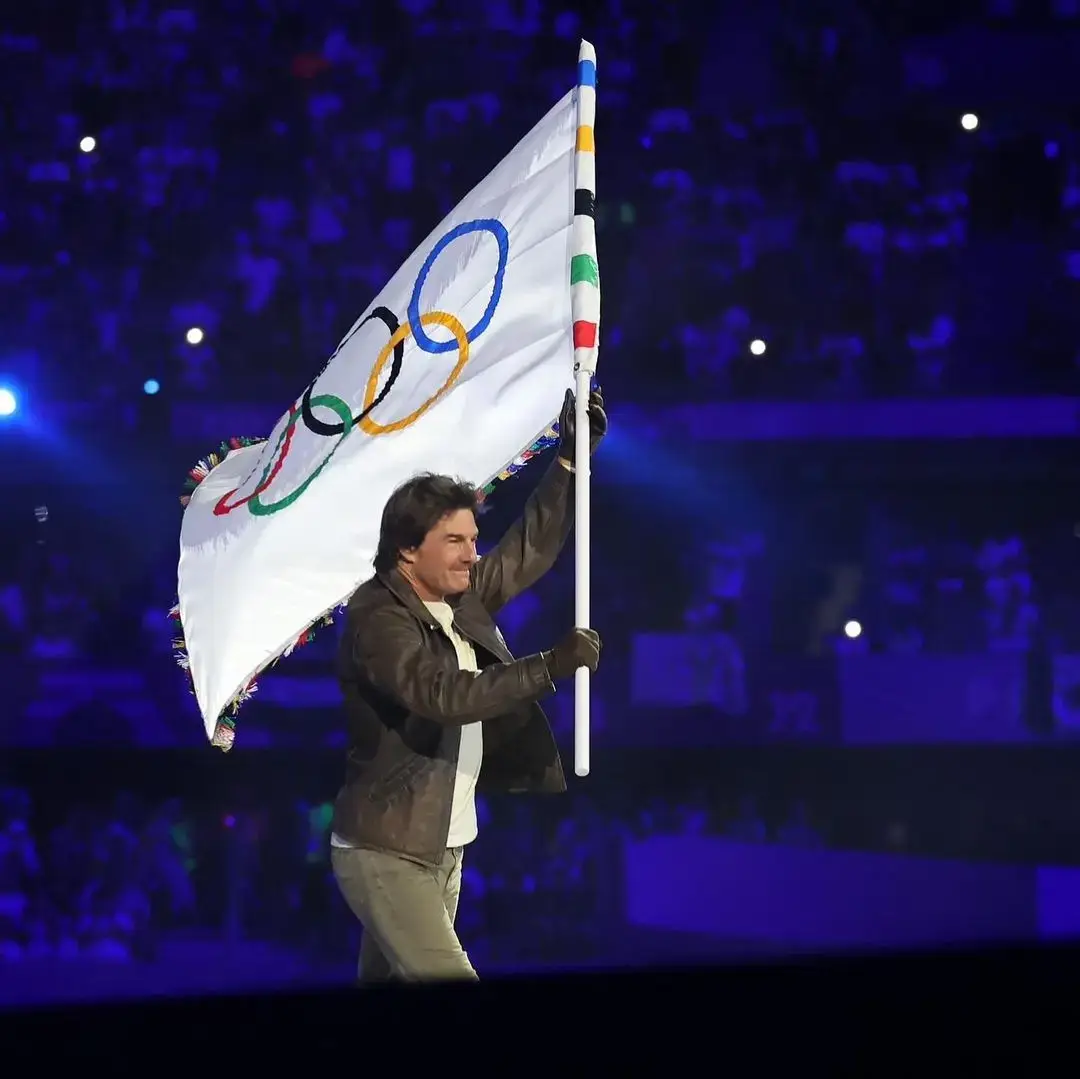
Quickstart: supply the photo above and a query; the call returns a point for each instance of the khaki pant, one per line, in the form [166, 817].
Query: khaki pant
[407, 911]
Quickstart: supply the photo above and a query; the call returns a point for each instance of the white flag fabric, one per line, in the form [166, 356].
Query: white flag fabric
[458, 366]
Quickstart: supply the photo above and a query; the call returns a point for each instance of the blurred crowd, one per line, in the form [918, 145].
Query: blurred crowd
[87, 665]
[112, 881]
[257, 169]
[102, 882]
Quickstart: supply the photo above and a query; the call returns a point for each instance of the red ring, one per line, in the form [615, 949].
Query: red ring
[221, 509]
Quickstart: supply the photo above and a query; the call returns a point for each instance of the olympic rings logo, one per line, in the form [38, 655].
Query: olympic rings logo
[392, 353]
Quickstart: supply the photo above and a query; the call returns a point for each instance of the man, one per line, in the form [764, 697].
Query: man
[438, 707]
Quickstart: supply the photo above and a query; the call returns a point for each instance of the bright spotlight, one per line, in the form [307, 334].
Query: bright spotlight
[194, 335]
[151, 386]
[969, 121]
[8, 402]
[87, 144]
[757, 346]
[852, 629]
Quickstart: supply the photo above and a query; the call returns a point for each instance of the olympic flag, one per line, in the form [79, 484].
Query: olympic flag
[459, 365]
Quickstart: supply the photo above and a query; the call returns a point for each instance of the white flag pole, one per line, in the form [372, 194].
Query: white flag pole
[585, 309]
[582, 567]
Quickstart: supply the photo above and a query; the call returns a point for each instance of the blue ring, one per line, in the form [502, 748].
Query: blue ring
[487, 224]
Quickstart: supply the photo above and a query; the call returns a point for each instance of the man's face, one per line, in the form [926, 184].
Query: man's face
[440, 566]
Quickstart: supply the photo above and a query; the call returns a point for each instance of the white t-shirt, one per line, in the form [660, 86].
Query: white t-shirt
[463, 828]
[471, 754]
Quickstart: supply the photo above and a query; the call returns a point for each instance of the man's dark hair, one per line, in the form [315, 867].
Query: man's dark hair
[414, 509]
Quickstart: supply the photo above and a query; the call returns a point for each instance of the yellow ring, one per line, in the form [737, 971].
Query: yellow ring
[432, 318]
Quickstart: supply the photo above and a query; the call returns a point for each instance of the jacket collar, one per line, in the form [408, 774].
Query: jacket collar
[404, 592]
[486, 636]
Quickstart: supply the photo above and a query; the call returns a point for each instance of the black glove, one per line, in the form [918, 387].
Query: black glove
[598, 424]
[579, 648]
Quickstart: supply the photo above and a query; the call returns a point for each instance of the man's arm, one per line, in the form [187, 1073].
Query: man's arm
[389, 648]
[529, 547]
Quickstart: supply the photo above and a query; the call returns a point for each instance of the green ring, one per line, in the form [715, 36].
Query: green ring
[256, 506]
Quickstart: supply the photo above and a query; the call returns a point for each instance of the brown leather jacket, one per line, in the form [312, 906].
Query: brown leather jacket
[406, 699]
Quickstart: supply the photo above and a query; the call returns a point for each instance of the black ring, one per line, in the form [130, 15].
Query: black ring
[328, 430]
